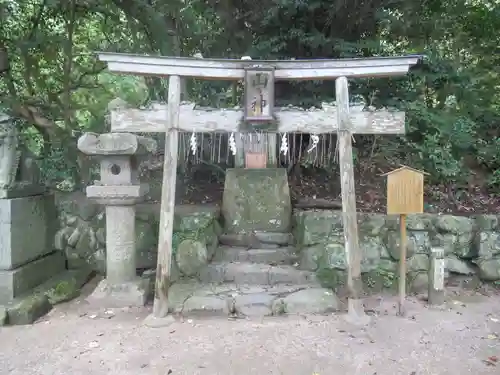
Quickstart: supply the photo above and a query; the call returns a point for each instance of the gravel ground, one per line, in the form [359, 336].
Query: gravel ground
[77, 339]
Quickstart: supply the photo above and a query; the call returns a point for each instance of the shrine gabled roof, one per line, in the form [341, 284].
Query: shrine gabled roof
[233, 69]
[404, 167]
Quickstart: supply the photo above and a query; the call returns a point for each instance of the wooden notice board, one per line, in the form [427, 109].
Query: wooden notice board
[405, 191]
[405, 195]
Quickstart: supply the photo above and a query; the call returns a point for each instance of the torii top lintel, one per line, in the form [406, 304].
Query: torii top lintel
[199, 120]
[232, 69]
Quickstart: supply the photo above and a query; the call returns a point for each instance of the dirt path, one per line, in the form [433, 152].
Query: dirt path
[76, 340]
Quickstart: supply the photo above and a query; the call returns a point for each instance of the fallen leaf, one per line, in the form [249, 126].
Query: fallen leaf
[489, 363]
[493, 358]
[93, 344]
[492, 337]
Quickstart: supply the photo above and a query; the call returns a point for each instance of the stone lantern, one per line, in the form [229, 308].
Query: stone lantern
[119, 190]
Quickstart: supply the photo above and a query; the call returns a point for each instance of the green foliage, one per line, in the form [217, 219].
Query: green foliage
[390, 279]
[58, 90]
[378, 280]
[56, 171]
[64, 287]
[438, 140]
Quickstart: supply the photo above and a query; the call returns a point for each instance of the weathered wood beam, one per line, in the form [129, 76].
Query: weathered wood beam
[236, 74]
[235, 69]
[160, 305]
[353, 252]
[227, 120]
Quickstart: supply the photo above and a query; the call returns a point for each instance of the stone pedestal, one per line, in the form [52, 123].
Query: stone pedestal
[27, 228]
[27, 257]
[120, 244]
[119, 190]
[122, 294]
[257, 200]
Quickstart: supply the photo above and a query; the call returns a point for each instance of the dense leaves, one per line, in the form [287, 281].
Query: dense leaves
[57, 89]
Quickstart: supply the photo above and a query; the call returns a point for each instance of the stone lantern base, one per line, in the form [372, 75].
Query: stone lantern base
[133, 293]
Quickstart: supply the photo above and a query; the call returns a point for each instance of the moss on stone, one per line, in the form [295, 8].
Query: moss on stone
[379, 279]
[374, 281]
[3, 316]
[217, 228]
[65, 286]
[28, 309]
[179, 237]
[60, 288]
[192, 218]
[63, 291]
[206, 233]
[330, 277]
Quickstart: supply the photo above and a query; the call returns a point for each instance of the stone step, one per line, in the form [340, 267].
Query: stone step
[255, 274]
[266, 239]
[282, 255]
[195, 299]
[277, 238]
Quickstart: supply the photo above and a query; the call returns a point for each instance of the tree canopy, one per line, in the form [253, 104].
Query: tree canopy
[52, 82]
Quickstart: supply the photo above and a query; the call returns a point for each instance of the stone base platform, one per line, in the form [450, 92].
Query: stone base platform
[21, 191]
[190, 298]
[32, 306]
[26, 232]
[17, 282]
[134, 293]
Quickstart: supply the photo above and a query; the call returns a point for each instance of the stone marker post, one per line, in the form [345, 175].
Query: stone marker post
[27, 217]
[119, 190]
[436, 294]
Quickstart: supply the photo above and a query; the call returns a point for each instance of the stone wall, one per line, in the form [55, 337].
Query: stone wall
[195, 238]
[82, 234]
[471, 244]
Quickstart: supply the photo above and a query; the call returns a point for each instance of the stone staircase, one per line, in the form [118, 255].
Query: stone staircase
[252, 279]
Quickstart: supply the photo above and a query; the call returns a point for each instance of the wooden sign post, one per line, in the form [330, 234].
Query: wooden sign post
[405, 195]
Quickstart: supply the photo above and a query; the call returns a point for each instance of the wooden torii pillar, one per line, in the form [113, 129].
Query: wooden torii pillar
[174, 117]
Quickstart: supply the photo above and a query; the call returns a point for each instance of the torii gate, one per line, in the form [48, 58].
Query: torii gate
[175, 117]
